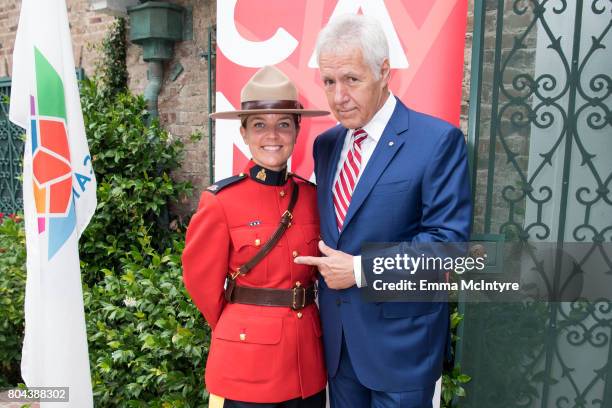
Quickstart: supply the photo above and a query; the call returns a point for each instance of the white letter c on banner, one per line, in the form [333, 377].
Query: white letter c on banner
[248, 53]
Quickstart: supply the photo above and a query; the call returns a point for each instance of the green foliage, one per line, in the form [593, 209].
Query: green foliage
[112, 71]
[452, 377]
[452, 386]
[133, 162]
[12, 286]
[148, 343]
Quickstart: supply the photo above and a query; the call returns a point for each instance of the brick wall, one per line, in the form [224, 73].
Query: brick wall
[183, 103]
[87, 29]
[9, 15]
[506, 200]
[467, 57]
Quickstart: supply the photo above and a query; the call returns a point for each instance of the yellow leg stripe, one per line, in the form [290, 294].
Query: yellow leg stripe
[215, 401]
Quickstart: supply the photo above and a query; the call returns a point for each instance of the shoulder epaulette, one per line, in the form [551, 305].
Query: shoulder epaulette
[303, 179]
[221, 184]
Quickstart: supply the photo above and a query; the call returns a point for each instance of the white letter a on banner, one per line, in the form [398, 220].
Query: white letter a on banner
[378, 10]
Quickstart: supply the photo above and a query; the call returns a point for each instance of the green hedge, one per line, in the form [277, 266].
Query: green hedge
[147, 342]
[12, 287]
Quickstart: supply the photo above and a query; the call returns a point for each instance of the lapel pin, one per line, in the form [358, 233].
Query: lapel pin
[391, 143]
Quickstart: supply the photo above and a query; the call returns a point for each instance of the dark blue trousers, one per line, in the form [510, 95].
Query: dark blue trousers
[345, 391]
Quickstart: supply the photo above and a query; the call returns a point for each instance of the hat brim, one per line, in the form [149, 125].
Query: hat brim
[237, 114]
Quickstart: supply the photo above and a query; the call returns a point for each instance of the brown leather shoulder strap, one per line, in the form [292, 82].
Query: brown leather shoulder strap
[271, 243]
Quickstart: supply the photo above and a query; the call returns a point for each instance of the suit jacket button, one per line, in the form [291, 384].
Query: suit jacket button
[299, 315]
[242, 336]
[295, 254]
[338, 302]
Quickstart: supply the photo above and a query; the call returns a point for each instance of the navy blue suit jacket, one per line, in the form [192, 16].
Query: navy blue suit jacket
[415, 189]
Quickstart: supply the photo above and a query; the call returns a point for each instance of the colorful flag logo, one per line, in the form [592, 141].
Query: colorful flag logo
[59, 199]
[52, 171]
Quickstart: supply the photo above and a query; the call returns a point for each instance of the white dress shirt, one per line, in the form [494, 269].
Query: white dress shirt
[374, 128]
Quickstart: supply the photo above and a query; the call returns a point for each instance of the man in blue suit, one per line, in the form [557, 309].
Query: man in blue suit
[385, 173]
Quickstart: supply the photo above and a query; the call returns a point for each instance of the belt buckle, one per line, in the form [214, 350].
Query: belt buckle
[294, 303]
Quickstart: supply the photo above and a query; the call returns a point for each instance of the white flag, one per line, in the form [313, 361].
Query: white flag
[59, 191]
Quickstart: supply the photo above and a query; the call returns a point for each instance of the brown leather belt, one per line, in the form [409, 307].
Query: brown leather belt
[297, 298]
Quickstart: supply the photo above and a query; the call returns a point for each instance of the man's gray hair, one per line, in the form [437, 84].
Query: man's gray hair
[347, 32]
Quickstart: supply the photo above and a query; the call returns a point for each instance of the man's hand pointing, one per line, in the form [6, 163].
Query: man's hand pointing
[336, 267]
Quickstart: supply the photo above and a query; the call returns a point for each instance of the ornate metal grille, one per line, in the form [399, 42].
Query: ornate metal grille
[541, 155]
[11, 155]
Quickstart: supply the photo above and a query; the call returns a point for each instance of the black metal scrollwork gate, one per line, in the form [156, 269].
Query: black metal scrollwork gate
[11, 155]
[541, 154]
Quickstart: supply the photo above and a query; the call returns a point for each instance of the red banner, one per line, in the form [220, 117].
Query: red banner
[426, 41]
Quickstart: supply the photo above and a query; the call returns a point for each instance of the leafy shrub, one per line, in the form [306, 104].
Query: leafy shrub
[112, 68]
[133, 162]
[147, 341]
[12, 287]
[453, 378]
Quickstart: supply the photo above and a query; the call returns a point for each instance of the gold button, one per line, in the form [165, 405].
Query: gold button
[282, 193]
[299, 315]
[241, 174]
[289, 225]
[242, 336]
[298, 284]
[295, 254]
[257, 242]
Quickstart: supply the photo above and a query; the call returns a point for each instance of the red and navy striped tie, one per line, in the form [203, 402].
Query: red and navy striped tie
[343, 189]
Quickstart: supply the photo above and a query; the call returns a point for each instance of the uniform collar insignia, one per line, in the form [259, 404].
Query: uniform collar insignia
[267, 176]
[261, 175]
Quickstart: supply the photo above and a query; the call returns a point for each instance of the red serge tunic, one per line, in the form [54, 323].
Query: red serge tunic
[257, 353]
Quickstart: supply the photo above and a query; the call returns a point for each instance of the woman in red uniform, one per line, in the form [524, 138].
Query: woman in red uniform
[238, 264]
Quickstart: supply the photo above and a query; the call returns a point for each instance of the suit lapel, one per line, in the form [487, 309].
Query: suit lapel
[388, 145]
[332, 164]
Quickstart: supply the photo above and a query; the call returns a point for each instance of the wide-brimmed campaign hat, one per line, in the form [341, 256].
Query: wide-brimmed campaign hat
[269, 91]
